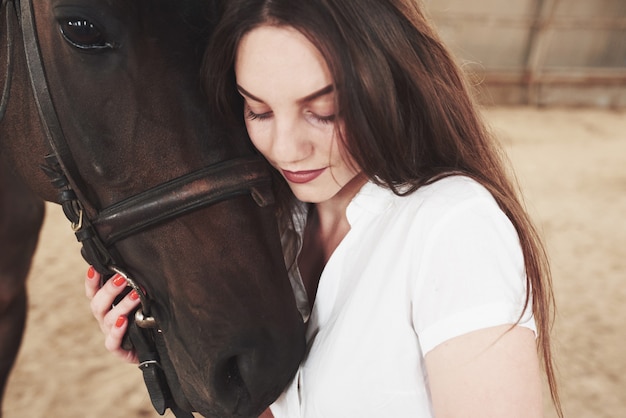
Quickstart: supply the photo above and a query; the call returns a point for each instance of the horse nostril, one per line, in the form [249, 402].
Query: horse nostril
[250, 375]
[233, 374]
[230, 384]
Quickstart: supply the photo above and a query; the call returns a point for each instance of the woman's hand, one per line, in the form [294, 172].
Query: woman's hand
[113, 321]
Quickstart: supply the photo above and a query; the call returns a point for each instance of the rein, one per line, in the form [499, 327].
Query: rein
[99, 233]
[6, 90]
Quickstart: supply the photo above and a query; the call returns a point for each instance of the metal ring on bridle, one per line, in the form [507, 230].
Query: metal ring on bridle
[142, 315]
[78, 225]
[143, 321]
[148, 363]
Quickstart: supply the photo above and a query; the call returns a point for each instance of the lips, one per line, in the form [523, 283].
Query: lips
[300, 177]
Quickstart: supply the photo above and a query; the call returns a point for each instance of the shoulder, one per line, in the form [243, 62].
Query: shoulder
[451, 199]
[456, 208]
[449, 194]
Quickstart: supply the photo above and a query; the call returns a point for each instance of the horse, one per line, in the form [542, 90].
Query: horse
[101, 111]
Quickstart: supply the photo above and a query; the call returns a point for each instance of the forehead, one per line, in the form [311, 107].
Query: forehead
[279, 57]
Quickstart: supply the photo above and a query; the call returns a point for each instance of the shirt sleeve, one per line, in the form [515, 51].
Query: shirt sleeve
[471, 276]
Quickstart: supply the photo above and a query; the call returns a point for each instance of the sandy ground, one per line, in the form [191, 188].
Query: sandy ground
[572, 167]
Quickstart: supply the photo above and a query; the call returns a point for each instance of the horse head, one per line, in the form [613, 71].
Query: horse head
[178, 203]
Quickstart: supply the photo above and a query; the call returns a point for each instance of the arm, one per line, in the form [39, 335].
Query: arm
[493, 372]
[266, 414]
[113, 321]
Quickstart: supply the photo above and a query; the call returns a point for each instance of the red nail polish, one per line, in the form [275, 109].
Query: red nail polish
[119, 280]
[134, 295]
[91, 272]
[120, 322]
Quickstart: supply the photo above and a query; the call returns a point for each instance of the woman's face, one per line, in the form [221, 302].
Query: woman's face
[290, 111]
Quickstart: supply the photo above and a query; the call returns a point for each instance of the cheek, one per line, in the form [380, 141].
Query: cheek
[257, 137]
[343, 156]
[336, 148]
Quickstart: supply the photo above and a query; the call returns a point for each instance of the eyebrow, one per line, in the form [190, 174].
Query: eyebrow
[319, 93]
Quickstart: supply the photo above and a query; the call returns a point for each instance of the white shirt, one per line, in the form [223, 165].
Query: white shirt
[411, 273]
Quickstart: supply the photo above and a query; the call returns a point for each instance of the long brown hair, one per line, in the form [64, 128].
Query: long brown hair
[409, 115]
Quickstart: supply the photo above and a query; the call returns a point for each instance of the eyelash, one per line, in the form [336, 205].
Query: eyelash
[250, 115]
[325, 119]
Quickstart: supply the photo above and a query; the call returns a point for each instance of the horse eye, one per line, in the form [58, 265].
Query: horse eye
[83, 34]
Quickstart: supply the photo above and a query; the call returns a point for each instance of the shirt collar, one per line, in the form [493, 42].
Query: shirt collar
[371, 199]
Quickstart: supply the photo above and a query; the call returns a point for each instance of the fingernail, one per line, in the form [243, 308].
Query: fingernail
[119, 280]
[133, 295]
[91, 272]
[120, 322]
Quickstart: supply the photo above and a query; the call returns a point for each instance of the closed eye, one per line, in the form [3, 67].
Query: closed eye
[323, 119]
[250, 115]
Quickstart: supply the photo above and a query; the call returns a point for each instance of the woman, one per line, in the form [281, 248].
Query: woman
[427, 285]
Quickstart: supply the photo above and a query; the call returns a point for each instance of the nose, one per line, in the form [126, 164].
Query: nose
[247, 376]
[229, 382]
[289, 141]
[240, 382]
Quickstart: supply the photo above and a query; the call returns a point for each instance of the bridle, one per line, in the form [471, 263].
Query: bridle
[4, 98]
[99, 233]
